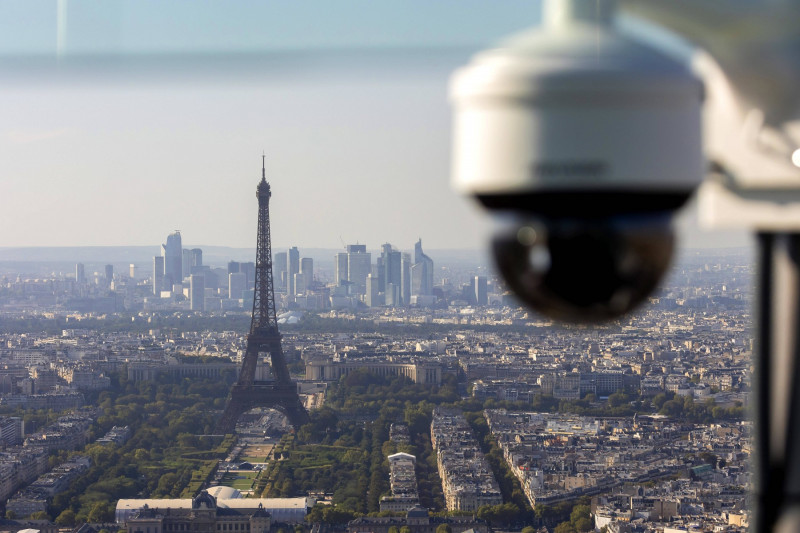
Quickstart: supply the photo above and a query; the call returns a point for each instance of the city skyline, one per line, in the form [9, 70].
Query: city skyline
[664, 413]
[343, 355]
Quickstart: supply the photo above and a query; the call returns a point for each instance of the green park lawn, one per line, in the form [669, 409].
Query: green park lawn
[239, 480]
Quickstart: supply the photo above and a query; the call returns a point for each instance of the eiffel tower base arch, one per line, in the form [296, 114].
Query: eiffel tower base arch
[281, 397]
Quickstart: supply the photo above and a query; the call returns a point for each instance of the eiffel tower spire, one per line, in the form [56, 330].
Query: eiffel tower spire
[264, 319]
[247, 393]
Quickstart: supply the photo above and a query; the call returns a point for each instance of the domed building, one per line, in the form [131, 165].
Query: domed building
[216, 510]
[201, 514]
[221, 492]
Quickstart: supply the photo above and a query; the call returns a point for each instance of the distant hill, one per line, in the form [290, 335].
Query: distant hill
[82, 254]
[63, 258]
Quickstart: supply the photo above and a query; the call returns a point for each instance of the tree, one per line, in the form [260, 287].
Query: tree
[617, 399]
[673, 408]
[141, 455]
[444, 528]
[565, 527]
[287, 487]
[187, 440]
[166, 484]
[418, 422]
[542, 511]
[507, 512]
[101, 512]
[503, 513]
[66, 518]
[580, 511]
[486, 513]
[40, 515]
[659, 400]
[583, 524]
[337, 515]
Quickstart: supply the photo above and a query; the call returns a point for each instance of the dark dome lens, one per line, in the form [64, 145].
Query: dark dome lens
[585, 270]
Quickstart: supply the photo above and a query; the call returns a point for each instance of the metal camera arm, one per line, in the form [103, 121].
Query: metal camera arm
[749, 59]
[750, 64]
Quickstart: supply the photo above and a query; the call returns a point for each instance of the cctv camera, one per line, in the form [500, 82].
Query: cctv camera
[583, 143]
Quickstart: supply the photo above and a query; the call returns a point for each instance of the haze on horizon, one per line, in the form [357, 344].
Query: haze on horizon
[166, 129]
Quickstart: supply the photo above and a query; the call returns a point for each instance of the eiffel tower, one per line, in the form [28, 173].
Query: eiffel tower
[281, 393]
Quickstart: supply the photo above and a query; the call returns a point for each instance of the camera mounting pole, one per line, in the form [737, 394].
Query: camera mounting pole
[777, 387]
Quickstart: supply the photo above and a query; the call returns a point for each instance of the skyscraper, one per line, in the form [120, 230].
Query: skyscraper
[379, 271]
[212, 280]
[158, 274]
[371, 289]
[132, 271]
[405, 279]
[306, 273]
[197, 292]
[197, 257]
[279, 270]
[359, 266]
[237, 284]
[421, 272]
[340, 264]
[172, 252]
[391, 296]
[481, 291]
[249, 270]
[109, 274]
[186, 262]
[292, 268]
[80, 274]
[307, 266]
[391, 268]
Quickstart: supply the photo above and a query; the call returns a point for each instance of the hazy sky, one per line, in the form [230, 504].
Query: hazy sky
[117, 127]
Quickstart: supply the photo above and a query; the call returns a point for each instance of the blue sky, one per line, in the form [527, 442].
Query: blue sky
[157, 26]
[122, 121]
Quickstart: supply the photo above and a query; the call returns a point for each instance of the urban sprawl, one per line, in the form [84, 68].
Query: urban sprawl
[635, 426]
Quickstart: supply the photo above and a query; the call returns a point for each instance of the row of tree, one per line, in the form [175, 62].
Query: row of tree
[164, 452]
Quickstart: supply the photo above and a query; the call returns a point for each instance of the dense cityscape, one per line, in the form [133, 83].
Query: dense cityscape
[436, 402]
[534, 269]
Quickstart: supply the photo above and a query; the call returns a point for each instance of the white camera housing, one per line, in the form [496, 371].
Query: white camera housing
[587, 141]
